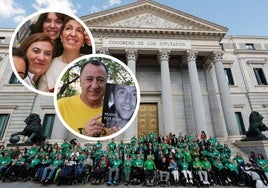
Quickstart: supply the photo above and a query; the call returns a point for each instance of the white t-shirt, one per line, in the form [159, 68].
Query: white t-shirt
[48, 80]
[29, 80]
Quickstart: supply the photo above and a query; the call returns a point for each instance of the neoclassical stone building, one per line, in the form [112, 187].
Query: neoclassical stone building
[191, 75]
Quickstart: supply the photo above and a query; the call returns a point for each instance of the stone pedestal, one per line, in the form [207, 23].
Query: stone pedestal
[257, 146]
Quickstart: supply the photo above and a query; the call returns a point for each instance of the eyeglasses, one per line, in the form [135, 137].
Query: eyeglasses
[49, 21]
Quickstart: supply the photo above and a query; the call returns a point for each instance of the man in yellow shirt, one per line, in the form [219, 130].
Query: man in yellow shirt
[83, 112]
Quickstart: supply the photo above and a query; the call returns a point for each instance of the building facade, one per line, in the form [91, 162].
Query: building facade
[191, 75]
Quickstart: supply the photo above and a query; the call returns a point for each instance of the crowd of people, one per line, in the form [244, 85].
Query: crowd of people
[180, 160]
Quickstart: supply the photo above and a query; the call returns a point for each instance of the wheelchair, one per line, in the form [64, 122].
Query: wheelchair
[151, 178]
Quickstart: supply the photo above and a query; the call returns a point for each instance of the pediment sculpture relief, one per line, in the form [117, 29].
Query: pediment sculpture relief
[148, 20]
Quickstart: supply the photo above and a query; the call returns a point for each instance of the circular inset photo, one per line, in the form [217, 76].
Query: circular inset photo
[97, 97]
[44, 44]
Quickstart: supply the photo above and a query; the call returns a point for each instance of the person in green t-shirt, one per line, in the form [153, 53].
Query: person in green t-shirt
[198, 167]
[50, 171]
[137, 167]
[208, 167]
[240, 162]
[232, 171]
[149, 167]
[65, 146]
[121, 146]
[187, 173]
[127, 168]
[263, 163]
[15, 168]
[115, 166]
[45, 162]
[112, 145]
[220, 170]
[29, 170]
[5, 161]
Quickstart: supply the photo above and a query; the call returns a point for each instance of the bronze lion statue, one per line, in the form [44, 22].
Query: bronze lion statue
[256, 126]
[33, 130]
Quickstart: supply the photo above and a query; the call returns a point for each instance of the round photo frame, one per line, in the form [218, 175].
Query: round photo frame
[72, 122]
[24, 28]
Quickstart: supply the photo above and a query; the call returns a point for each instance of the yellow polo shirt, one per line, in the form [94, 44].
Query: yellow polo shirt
[76, 113]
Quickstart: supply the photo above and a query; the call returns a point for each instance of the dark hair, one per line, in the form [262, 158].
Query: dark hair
[35, 38]
[37, 27]
[19, 53]
[96, 63]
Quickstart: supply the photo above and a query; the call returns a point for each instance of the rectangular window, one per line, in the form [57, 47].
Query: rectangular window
[3, 124]
[240, 123]
[229, 76]
[250, 46]
[13, 79]
[260, 76]
[222, 47]
[48, 124]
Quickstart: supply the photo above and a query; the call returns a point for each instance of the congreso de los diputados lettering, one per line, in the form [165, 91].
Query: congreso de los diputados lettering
[192, 76]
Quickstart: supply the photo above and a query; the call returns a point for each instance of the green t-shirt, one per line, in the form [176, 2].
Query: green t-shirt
[263, 163]
[127, 164]
[116, 163]
[231, 167]
[239, 160]
[46, 161]
[57, 162]
[20, 162]
[34, 162]
[32, 152]
[5, 161]
[206, 165]
[64, 146]
[111, 145]
[187, 155]
[218, 164]
[149, 165]
[184, 166]
[198, 165]
[138, 163]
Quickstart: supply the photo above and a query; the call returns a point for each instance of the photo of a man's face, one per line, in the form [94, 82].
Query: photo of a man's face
[125, 98]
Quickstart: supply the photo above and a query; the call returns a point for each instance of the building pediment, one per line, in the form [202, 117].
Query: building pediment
[148, 20]
[149, 17]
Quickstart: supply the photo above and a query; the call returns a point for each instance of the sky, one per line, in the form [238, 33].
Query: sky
[241, 17]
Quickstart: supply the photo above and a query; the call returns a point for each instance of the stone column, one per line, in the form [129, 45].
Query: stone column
[198, 107]
[131, 55]
[168, 114]
[225, 96]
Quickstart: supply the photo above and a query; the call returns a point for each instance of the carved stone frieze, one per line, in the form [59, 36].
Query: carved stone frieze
[148, 20]
[102, 50]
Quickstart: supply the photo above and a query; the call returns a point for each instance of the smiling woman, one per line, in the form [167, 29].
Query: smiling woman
[38, 49]
[73, 37]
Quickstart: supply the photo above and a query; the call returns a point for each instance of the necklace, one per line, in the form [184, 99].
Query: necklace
[66, 60]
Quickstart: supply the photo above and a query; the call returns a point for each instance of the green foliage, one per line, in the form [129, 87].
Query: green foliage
[70, 80]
